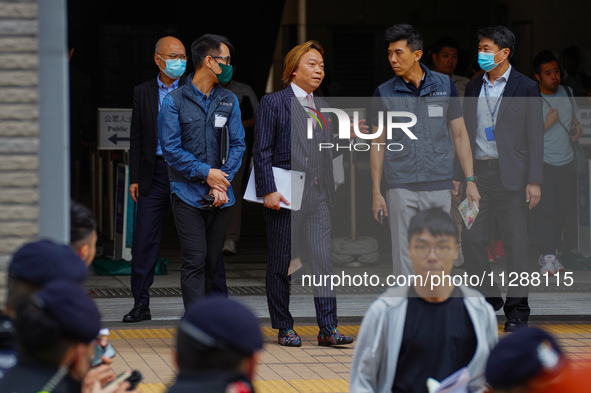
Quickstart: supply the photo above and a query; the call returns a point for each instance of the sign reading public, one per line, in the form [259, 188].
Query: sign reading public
[114, 128]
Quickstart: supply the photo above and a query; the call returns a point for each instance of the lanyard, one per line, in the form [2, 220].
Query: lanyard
[494, 110]
[55, 380]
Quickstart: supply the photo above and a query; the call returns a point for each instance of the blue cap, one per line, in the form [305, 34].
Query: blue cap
[521, 356]
[71, 308]
[223, 323]
[44, 261]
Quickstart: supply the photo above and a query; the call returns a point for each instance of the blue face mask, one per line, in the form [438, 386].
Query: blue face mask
[174, 68]
[486, 61]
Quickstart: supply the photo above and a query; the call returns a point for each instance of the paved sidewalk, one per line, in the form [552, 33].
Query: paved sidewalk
[306, 369]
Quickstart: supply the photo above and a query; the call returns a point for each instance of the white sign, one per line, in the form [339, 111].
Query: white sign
[114, 127]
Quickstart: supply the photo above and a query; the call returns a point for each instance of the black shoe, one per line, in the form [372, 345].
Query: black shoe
[138, 313]
[514, 324]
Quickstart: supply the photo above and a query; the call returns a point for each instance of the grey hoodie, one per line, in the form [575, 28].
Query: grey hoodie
[380, 337]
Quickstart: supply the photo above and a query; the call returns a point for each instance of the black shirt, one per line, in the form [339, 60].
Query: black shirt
[438, 340]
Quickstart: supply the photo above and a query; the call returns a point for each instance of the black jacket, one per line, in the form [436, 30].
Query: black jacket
[144, 133]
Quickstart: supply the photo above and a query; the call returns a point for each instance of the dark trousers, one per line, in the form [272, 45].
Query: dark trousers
[550, 213]
[312, 228]
[510, 209]
[201, 235]
[151, 210]
[219, 286]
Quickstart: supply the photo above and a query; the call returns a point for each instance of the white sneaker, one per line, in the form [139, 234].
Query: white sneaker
[229, 247]
[549, 265]
[460, 260]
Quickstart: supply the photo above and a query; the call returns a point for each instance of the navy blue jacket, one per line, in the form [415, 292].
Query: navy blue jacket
[519, 130]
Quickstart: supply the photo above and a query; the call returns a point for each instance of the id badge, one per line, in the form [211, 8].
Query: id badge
[435, 111]
[220, 120]
[490, 133]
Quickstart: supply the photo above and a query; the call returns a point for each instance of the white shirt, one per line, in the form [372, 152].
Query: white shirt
[301, 95]
[485, 149]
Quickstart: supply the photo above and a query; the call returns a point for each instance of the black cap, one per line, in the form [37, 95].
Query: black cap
[521, 356]
[44, 261]
[71, 308]
[223, 323]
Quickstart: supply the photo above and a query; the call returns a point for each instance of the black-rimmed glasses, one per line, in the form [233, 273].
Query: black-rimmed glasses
[424, 250]
[227, 58]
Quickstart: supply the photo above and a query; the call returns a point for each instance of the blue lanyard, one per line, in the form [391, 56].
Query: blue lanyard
[494, 110]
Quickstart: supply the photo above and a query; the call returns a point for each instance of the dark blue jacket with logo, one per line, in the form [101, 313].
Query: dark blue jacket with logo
[190, 138]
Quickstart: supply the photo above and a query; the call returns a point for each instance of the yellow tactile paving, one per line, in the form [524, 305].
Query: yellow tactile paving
[152, 388]
[567, 329]
[273, 387]
[320, 385]
[141, 333]
[116, 334]
[351, 330]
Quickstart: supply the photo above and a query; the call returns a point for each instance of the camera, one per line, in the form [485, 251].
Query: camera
[133, 377]
[207, 200]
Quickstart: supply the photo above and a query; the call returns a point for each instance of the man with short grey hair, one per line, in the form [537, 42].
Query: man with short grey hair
[148, 173]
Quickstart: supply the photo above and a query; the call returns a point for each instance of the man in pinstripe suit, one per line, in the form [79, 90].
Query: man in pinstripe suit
[276, 118]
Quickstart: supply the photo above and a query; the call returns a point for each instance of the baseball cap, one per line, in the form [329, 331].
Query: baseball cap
[43, 261]
[223, 323]
[523, 355]
[73, 310]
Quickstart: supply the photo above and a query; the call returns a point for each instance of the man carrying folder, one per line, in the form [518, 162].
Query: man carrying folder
[202, 139]
[280, 142]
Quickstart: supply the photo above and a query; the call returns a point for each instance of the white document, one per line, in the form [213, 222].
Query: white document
[455, 383]
[290, 184]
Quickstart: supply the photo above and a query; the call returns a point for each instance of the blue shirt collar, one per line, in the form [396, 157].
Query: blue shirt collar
[503, 78]
[172, 86]
[202, 97]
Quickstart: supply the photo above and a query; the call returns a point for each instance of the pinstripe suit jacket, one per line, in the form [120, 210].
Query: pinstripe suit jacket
[280, 141]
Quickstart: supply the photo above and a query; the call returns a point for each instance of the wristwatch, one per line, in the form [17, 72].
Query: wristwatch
[471, 178]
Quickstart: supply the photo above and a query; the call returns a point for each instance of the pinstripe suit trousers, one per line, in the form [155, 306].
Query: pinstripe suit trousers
[311, 226]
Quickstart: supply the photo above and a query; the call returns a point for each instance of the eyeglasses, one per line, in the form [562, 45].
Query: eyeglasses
[175, 56]
[424, 250]
[227, 58]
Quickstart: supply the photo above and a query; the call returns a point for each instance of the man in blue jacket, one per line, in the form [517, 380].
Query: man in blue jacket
[202, 138]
